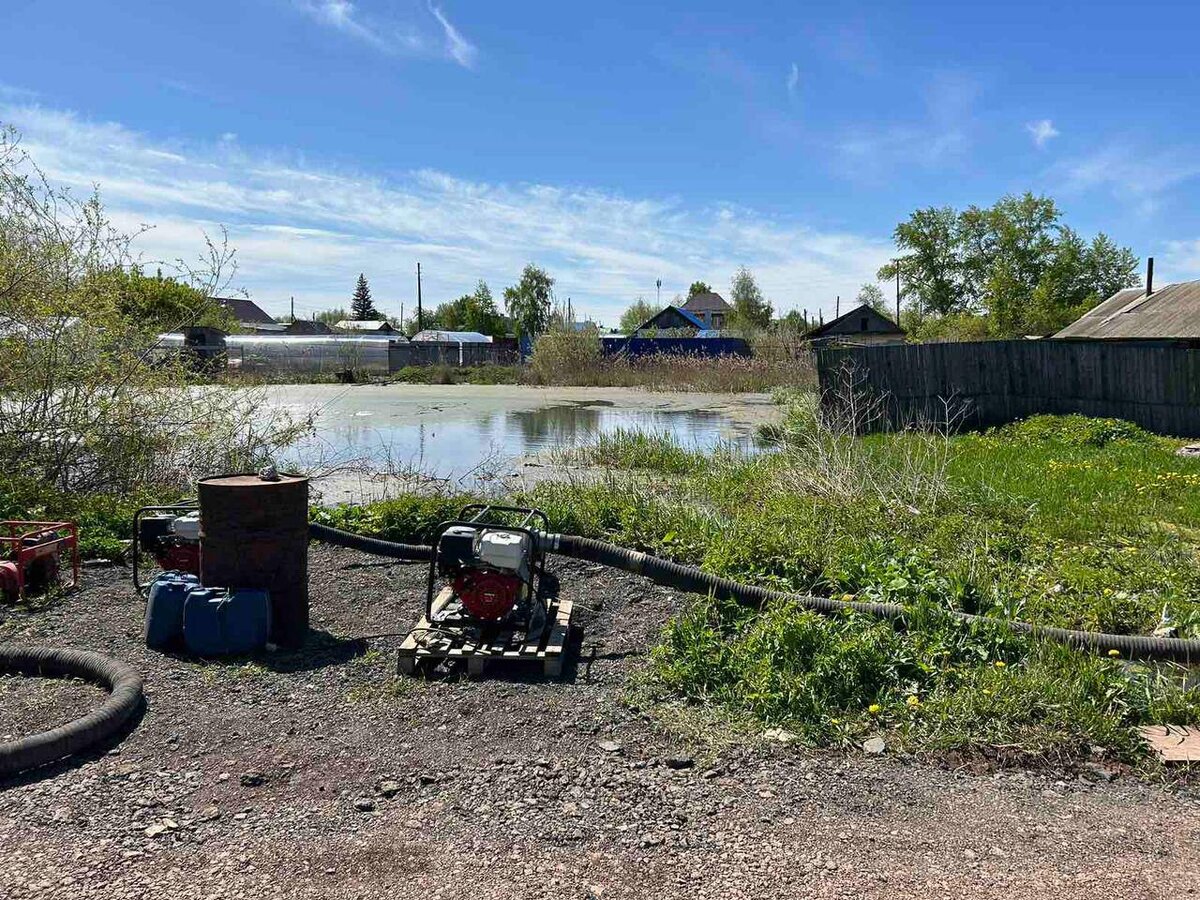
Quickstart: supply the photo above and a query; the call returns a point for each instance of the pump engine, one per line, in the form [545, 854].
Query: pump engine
[493, 568]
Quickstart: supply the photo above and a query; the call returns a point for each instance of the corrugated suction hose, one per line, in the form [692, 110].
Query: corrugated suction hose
[695, 581]
[125, 696]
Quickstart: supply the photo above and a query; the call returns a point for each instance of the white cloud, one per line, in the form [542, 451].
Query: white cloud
[1041, 131]
[793, 81]
[342, 16]
[308, 231]
[460, 49]
[939, 137]
[1137, 177]
[413, 38]
[1181, 261]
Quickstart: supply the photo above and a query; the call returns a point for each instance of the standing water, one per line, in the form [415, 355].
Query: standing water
[450, 431]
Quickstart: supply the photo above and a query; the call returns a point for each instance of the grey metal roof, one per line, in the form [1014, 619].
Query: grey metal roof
[245, 310]
[1172, 311]
[876, 323]
[706, 301]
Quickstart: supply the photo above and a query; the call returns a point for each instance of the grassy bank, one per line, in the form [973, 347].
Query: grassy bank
[1058, 520]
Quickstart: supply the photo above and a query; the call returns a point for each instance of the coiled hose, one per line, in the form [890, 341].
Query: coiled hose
[695, 581]
[125, 696]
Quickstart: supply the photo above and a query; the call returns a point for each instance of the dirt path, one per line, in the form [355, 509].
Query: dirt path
[314, 775]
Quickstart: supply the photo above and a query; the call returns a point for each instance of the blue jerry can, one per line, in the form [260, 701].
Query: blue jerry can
[164, 608]
[217, 621]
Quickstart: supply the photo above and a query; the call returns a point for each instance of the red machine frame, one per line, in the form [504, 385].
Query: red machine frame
[14, 531]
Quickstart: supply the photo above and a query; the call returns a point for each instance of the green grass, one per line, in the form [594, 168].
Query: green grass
[1061, 521]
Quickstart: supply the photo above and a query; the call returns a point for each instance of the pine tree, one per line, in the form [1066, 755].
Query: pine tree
[361, 307]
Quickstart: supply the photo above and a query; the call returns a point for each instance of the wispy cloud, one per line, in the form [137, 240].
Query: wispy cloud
[342, 16]
[793, 81]
[417, 37]
[460, 49]
[1041, 131]
[939, 136]
[308, 231]
[1131, 174]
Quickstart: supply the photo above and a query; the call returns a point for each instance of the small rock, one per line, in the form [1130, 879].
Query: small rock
[970, 854]
[210, 813]
[874, 746]
[363, 804]
[780, 735]
[678, 762]
[610, 746]
[155, 830]
[389, 788]
[651, 840]
[253, 779]
[426, 778]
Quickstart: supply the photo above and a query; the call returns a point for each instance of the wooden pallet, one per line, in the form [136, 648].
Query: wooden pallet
[427, 644]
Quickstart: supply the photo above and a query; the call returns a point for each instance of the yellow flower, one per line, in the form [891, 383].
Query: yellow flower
[987, 692]
[912, 701]
[1000, 664]
[874, 708]
[1114, 652]
[835, 721]
[847, 597]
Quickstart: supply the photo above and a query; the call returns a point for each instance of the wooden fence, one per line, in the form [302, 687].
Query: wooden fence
[993, 382]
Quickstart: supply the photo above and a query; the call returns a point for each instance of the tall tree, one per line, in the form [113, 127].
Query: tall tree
[638, 312]
[528, 301]
[750, 307]
[698, 287]
[471, 312]
[1013, 262]
[872, 296]
[361, 306]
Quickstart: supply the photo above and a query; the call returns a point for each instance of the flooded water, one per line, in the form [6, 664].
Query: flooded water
[453, 431]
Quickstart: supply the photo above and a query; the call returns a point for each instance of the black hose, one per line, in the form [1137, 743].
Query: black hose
[695, 581]
[374, 546]
[125, 696]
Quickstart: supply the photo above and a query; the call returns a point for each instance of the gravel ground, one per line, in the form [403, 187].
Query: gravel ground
[315, 774]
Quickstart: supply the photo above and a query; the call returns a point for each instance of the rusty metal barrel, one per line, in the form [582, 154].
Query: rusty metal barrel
[254, 534]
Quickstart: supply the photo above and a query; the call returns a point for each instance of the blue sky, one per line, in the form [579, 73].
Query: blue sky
[612, 143]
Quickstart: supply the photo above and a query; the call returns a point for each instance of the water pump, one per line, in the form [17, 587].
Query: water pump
[493, 562]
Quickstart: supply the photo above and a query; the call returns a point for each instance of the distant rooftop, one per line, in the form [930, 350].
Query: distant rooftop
[1170, 312]
[245, 311]
[456, 337]
[364, 325]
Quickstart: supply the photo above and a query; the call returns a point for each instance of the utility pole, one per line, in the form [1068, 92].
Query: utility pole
[419, 297]
[837, 306]
[658, 292]
[401, 317]
[293, 309]
[897, 293]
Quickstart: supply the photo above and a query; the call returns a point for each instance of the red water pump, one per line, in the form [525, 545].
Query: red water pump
[171, 534]
[492, 559]
[31, 556]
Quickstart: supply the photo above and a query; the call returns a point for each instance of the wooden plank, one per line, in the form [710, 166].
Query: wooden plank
[1173, 743]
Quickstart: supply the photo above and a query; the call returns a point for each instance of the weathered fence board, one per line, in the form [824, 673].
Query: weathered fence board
[993, 382]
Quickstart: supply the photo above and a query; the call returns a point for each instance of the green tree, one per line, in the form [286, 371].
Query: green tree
[157, 303]
[361, 305]
[750, 307]
[1012, 266]
[872, 296]
[638, 312]
[698, 287]
[528, 301]
[332, 316]
[471, 312]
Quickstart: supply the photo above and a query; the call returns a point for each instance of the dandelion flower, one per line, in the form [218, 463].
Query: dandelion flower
[1000, 664]
[874, 708]
[1114, 652]
[912, 701]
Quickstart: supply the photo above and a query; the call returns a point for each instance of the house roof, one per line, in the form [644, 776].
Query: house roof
[245, 310]
[307, 326]
[880, 324]
[706, 301]
[684, 314]
[1172, 311]
[453, 337]
[364, 325]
